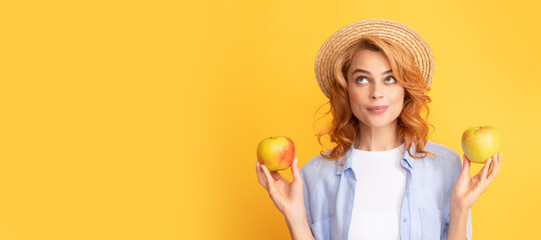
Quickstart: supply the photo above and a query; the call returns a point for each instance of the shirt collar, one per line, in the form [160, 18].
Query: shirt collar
[407, 160]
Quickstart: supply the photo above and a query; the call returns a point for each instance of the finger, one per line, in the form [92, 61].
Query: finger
[260, 175]
[488, 163]
[276, 175]
[496, 169]
[465, 166]
[295, 170]
[270, 182]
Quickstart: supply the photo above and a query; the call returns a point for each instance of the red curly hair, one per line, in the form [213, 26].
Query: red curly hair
[411, 126]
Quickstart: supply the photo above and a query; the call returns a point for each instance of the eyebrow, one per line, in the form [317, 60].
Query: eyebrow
[364, 71]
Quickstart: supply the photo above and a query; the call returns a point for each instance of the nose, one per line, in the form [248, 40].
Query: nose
[376, 91]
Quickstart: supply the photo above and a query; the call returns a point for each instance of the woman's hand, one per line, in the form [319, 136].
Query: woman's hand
[287, 196]
[467, 190]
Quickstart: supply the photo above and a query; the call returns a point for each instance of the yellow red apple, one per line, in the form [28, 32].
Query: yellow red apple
[276, 153]
[480, 143]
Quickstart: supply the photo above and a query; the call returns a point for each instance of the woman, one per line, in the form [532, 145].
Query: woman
[384, 179]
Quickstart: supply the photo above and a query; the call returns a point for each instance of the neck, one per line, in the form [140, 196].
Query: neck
[377, 139]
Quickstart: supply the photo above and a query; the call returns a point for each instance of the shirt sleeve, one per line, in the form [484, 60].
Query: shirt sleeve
[445, 230]
[306, 200]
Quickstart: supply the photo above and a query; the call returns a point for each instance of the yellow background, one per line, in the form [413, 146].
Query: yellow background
[140, 119]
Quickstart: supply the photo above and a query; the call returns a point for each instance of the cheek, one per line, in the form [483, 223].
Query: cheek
[399, 103]
[398, 96]
[356, 95]
[356, 101]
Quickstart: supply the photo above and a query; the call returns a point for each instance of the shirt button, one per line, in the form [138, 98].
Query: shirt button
[407, 194]
[404, 219]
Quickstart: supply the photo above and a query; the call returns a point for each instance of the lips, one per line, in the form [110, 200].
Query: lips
[378, 109]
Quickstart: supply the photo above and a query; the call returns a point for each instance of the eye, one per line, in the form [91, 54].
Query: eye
[391, 77]
[360, 78]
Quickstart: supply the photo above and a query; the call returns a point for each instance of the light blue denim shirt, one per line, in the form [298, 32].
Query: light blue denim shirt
[329, 190]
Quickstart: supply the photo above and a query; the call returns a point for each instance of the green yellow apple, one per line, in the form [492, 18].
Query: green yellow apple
[480, 143]
[276, 153]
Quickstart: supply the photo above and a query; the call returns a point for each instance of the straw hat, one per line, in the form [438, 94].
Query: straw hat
[386, 29]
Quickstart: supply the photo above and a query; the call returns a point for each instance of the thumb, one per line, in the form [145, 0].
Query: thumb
[295, 170]
[465, 166]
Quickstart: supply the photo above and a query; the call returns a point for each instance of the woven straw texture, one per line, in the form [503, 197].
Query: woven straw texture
[386, 29]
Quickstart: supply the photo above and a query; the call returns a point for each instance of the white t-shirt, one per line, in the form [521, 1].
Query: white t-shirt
[380, 188]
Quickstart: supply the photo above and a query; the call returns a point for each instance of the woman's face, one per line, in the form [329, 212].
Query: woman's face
[370, 84]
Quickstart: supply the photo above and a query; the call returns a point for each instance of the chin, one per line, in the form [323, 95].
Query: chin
[378, 124]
